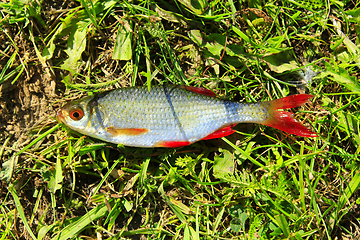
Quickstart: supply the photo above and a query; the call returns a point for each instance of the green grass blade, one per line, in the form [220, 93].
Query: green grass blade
[352, 187]
[76, 227]
[39, 138]
[21, 210]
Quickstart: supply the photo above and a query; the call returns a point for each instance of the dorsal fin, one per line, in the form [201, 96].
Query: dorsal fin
[200, 90]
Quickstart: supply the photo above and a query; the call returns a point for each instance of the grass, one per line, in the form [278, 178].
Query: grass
[258, 183]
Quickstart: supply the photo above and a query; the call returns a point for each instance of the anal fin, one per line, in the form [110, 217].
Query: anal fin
[172, 144]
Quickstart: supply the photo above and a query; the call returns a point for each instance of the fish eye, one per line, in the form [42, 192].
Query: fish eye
[76, 113]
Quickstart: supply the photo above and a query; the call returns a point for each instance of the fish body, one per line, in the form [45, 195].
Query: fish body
[170, 115]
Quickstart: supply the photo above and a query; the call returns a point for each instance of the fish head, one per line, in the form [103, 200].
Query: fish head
[76, 114]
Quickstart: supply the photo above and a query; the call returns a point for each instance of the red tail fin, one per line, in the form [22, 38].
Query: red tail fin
[284, 121]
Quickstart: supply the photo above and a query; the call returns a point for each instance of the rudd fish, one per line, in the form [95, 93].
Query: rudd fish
[173, 116]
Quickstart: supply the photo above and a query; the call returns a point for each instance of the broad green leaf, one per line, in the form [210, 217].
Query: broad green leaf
[224, 164]
[352, 187]
[76, 46]
[7, 168]
[276, 230]
[341, 76]
[353, 15]
[196, 6]
[56, 179]
[235, 225]
[214, 43]
[172, 176]
[281, 62]
[242, 217]
[170, 16]
[278, 157]
[48, 52]
[123, 43]
[196, 36]
[239, 215]
[53, 185]
[49, 49]
[127, 205]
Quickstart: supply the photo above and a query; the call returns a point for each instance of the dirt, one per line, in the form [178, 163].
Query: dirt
[26, 103]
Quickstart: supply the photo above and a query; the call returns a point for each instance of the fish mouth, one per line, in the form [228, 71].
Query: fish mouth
[60, 116]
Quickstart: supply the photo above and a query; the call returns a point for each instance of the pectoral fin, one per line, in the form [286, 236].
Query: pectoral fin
[126, 131]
